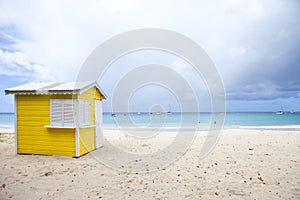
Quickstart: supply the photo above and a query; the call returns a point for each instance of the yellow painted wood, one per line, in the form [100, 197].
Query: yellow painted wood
[47, 151]
[34, 114]
[87, 140]
[33, 137]
[87, 135]
[55, 138]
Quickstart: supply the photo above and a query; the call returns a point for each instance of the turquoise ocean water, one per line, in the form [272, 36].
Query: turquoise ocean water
[175, 119]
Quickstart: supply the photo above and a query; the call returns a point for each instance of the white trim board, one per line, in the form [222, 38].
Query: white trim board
[16, 124]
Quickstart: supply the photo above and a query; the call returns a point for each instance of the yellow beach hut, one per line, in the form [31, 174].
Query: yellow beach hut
[58, 118]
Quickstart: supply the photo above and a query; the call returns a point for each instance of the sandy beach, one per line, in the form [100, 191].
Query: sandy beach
[246, 163]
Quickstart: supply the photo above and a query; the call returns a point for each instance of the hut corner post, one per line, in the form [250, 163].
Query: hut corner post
[77, 134]
[16, 123]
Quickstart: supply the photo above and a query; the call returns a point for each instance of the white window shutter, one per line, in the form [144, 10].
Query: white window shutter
[62, 112]
[80, 112]
[68, 113]
[56, 113]
[84, 113]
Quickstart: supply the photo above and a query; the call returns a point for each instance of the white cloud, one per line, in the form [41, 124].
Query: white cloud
[181, 66]
[51, 39]
[18, 64]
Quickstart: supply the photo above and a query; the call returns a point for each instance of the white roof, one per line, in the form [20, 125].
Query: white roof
[54, 88]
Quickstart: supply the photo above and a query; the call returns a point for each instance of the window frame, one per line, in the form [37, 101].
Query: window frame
[80, 111]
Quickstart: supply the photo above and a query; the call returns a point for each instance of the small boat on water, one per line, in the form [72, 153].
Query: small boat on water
[281, 112]
[169, 112]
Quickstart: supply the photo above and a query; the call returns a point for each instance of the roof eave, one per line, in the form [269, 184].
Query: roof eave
[101, 91]
[34, 92]
[93, 84]
[17, 92]
[65, 92]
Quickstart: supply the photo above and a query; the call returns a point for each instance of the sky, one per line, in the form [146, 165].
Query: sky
[255, 46]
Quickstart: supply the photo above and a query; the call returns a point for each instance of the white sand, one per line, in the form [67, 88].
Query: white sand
[7, 128]
[245, 164]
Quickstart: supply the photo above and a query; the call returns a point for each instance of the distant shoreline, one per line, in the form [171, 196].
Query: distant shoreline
[10, 128]
[204, 112]
[201, 120]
